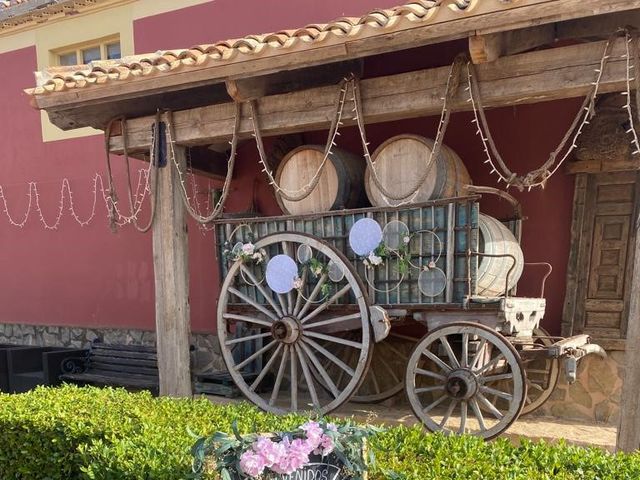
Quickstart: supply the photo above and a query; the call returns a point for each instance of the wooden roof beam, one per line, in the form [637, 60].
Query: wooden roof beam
[491, 46]
[533, 77]
[487, 47]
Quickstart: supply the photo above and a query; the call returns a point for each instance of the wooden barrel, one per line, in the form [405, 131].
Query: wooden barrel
[401, 162]
[496, 239]
[340, 184]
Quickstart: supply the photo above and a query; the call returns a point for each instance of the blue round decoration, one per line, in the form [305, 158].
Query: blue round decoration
[281, 273]
[365, 236]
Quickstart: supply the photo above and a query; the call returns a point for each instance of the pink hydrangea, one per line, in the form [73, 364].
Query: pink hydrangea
[312, 429]
[332, 427]
[325, 447]
[252, 464]
[271, 452]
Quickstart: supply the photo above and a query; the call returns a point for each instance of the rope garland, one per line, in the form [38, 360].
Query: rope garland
[539, 177]
[450, 91]
[219, 207]
[303, 192]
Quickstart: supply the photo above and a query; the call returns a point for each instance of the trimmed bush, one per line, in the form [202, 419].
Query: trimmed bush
[109, 434]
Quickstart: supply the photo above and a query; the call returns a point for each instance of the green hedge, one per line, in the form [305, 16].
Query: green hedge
[89, 433]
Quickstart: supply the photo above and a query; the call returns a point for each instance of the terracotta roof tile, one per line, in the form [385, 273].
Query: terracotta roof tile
[342, 29]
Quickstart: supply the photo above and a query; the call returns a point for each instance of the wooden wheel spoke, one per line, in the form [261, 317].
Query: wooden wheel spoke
[448, 413]
[464, 356]
[326, 304]
[314, 294]
[450, 354]
[429, 373]
[479, 353]
[244, 318]
[308, 377]
[435, 359]
[497, 378]
[329, 338]
[279, 376]
[261, 289]
[437, 388]
[255, 355]
[330, 356]
[282, 299]
[249, 338]
[265, 370]
[294, 379]
[391, 371]
[494, 361]
[536, 386]
[332, 321]
[464, 406]
[476, 411]
[374, 380]
[433, 405]
[489, 406]
[253, 303]
[320, 369]
[498, 393]
[298, 305]
[286, 249]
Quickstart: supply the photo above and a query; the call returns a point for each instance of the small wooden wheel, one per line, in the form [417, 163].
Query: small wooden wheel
[542, 374]
[452, 374]
[286, 332]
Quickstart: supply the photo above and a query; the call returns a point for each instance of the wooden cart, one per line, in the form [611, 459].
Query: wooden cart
[468, 363]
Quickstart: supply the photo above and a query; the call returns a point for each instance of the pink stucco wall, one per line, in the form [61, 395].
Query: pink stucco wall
[91, 277]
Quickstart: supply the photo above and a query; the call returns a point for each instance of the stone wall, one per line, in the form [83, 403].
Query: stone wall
[594, 397]
[205, 358]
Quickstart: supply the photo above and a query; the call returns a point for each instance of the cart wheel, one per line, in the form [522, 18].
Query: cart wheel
[541, 374]
[384, 378]
[448, 378]
[287, 331]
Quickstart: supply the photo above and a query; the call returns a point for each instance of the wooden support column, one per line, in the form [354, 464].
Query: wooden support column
[629, 429]
[170, 261]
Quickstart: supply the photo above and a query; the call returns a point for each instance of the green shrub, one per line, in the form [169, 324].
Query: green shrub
[109, 434]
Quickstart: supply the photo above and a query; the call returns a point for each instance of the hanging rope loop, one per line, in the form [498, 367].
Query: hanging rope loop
[218, 209]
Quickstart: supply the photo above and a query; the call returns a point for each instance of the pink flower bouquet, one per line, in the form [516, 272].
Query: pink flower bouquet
[280, 455]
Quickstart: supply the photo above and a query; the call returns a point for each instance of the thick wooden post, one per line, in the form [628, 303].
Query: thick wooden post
[170, 260]
[629, 428]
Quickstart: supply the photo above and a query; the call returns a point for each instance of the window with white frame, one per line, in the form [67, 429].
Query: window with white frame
[102, 49]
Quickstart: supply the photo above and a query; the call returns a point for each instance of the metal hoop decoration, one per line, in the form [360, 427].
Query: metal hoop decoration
[304, 253]
[433, 278]
[365, 236]
[281, 273]
[394, 234]
[378, 290]
[433, 260]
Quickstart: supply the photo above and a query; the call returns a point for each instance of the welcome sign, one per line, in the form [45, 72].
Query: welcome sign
[315, 471]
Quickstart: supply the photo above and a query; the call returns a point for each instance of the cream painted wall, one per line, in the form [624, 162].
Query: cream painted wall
[105, 19]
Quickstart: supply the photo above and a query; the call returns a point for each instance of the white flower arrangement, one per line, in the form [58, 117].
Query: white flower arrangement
[247, 253]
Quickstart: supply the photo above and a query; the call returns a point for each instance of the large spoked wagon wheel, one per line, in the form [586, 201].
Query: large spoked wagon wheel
[287, 331]
[453, 373]
[385, 376]
[542, 374]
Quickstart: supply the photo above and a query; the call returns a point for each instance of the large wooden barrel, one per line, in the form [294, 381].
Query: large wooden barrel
[401, 161]
[496, 239]
[340, 184]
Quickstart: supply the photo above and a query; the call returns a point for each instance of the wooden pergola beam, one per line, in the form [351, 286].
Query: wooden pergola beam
[527, 78]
